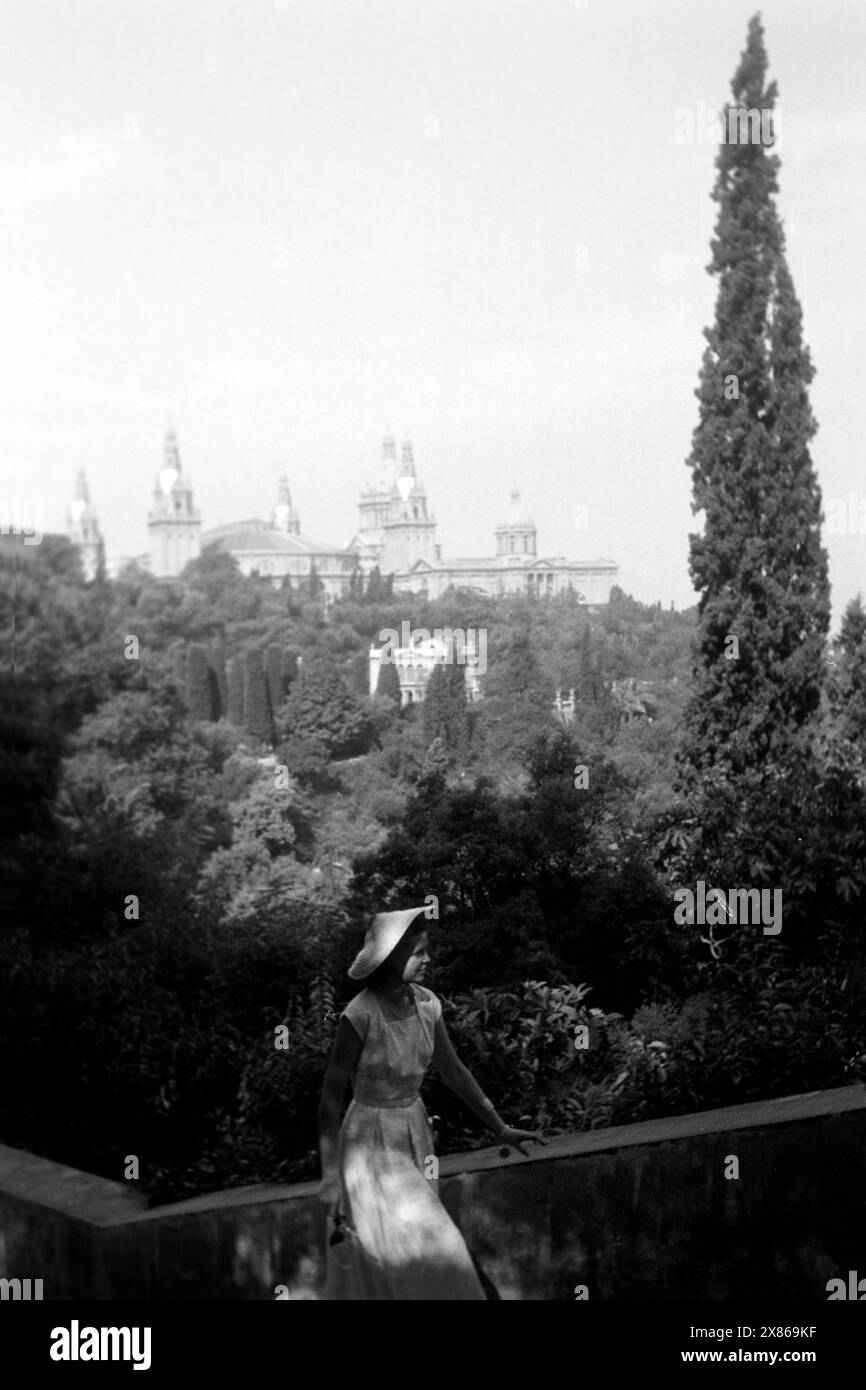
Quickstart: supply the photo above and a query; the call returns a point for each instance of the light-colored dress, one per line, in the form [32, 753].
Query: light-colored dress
[405, 1244]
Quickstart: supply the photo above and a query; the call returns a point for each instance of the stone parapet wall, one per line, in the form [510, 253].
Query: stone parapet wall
[643, 1211]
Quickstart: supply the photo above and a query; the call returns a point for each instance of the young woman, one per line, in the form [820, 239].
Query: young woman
[377, 1167]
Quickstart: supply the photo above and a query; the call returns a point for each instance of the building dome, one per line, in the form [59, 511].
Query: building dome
[517, 516]
[516, 535]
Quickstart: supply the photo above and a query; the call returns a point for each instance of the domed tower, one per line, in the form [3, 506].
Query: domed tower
[83, 527]
[284, 517]
[174, 522]
[410, 531]
[516, 535]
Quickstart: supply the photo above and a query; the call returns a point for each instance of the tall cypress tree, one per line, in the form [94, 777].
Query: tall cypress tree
[200, 685]
[178, 654]
[218, 668]
[276, 676]
[518, 699]
[356, 583]
[588, 676]
[388, 682]
[290, 665]
[101, 574]
[258, 718]
[459, 729]
[374, 591]
[235, 692]
[434, 715]
[445, 714]
[848, 687]
[759, 566]
[315, 587]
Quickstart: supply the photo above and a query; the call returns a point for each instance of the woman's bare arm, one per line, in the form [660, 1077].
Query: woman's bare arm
[342, 1063]
[461, 1081]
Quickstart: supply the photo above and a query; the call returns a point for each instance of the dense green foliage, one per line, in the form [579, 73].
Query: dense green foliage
[177, 886]
[201, 805]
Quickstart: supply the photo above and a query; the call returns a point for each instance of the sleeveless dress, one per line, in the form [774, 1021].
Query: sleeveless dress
[404, 1243]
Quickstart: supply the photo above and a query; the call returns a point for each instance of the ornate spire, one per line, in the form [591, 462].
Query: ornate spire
[81, 493]
[284, 517]
[83, 527]
[407, 461]
[407, 482]
[170, 452]
[388, 466]
[171, 472]
[80, 511]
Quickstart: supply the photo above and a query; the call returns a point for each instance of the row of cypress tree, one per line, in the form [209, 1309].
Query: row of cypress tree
[246, 690]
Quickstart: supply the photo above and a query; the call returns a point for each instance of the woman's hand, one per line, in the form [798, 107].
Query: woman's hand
[516, 1138]
[329, 1191]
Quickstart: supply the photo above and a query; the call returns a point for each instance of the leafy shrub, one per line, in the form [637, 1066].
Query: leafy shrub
[520, 1047]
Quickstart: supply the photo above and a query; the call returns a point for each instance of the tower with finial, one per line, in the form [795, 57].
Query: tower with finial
[410, 530]
[516, 535]
[174, 523]
[375, 503]
[83, 528]
[284, 516]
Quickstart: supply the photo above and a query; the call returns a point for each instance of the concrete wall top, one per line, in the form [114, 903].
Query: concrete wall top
[67, 1191]
[101, 1202]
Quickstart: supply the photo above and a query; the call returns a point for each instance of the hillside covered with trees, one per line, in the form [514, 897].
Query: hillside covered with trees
[202, 804]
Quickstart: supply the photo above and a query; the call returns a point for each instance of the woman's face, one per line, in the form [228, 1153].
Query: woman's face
[417, 959]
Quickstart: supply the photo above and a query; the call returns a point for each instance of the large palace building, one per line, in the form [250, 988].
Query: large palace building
[396, 532]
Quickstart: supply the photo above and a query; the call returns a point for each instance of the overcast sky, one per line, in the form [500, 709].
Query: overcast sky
[286, 224]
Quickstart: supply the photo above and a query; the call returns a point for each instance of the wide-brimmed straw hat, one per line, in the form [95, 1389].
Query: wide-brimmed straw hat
[385, 932]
